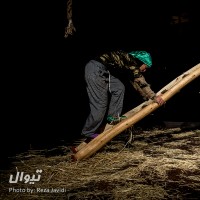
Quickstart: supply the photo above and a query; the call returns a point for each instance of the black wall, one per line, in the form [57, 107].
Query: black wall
[45, 95]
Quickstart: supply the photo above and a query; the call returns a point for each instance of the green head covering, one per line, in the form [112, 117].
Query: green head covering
[142, 56]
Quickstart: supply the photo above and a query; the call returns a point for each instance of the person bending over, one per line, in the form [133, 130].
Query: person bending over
[104, 79]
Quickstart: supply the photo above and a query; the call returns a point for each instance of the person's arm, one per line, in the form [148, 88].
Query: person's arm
[145, 90]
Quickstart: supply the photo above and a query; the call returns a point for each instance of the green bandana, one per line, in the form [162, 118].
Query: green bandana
[142, 56]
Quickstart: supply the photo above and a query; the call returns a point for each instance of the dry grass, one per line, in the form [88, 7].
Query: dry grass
[155, 164]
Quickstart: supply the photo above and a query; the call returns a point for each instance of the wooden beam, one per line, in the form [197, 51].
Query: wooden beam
[138, 108]
[137, 114]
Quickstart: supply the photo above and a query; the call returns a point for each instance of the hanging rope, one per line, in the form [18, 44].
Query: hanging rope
[70, 29]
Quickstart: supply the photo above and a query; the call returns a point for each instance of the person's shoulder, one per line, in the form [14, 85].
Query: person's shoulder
[120, 52]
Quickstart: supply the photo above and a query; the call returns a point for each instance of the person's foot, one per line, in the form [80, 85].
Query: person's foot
[114, 120]
[94, 135]
[91, 137]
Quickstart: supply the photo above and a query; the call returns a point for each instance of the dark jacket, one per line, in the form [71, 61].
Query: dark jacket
[122, 63]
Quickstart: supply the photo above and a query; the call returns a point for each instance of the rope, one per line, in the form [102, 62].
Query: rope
[69, 29]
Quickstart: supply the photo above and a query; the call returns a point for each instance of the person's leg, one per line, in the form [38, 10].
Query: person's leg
[117, 90]
[97, 89]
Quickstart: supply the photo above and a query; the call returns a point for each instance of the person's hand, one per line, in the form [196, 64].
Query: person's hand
[158, 99]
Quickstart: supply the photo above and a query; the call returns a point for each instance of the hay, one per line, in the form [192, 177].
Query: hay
[155, 164]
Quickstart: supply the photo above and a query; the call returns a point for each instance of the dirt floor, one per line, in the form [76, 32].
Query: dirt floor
[137, 164]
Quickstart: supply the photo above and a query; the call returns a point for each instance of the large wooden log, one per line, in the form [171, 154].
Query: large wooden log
[138, 108]
[138, 113]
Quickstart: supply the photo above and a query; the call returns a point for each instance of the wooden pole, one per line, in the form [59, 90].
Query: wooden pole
[133, 117]
[138, 108]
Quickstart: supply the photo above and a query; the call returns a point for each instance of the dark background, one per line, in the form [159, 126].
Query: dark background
[45, 97]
